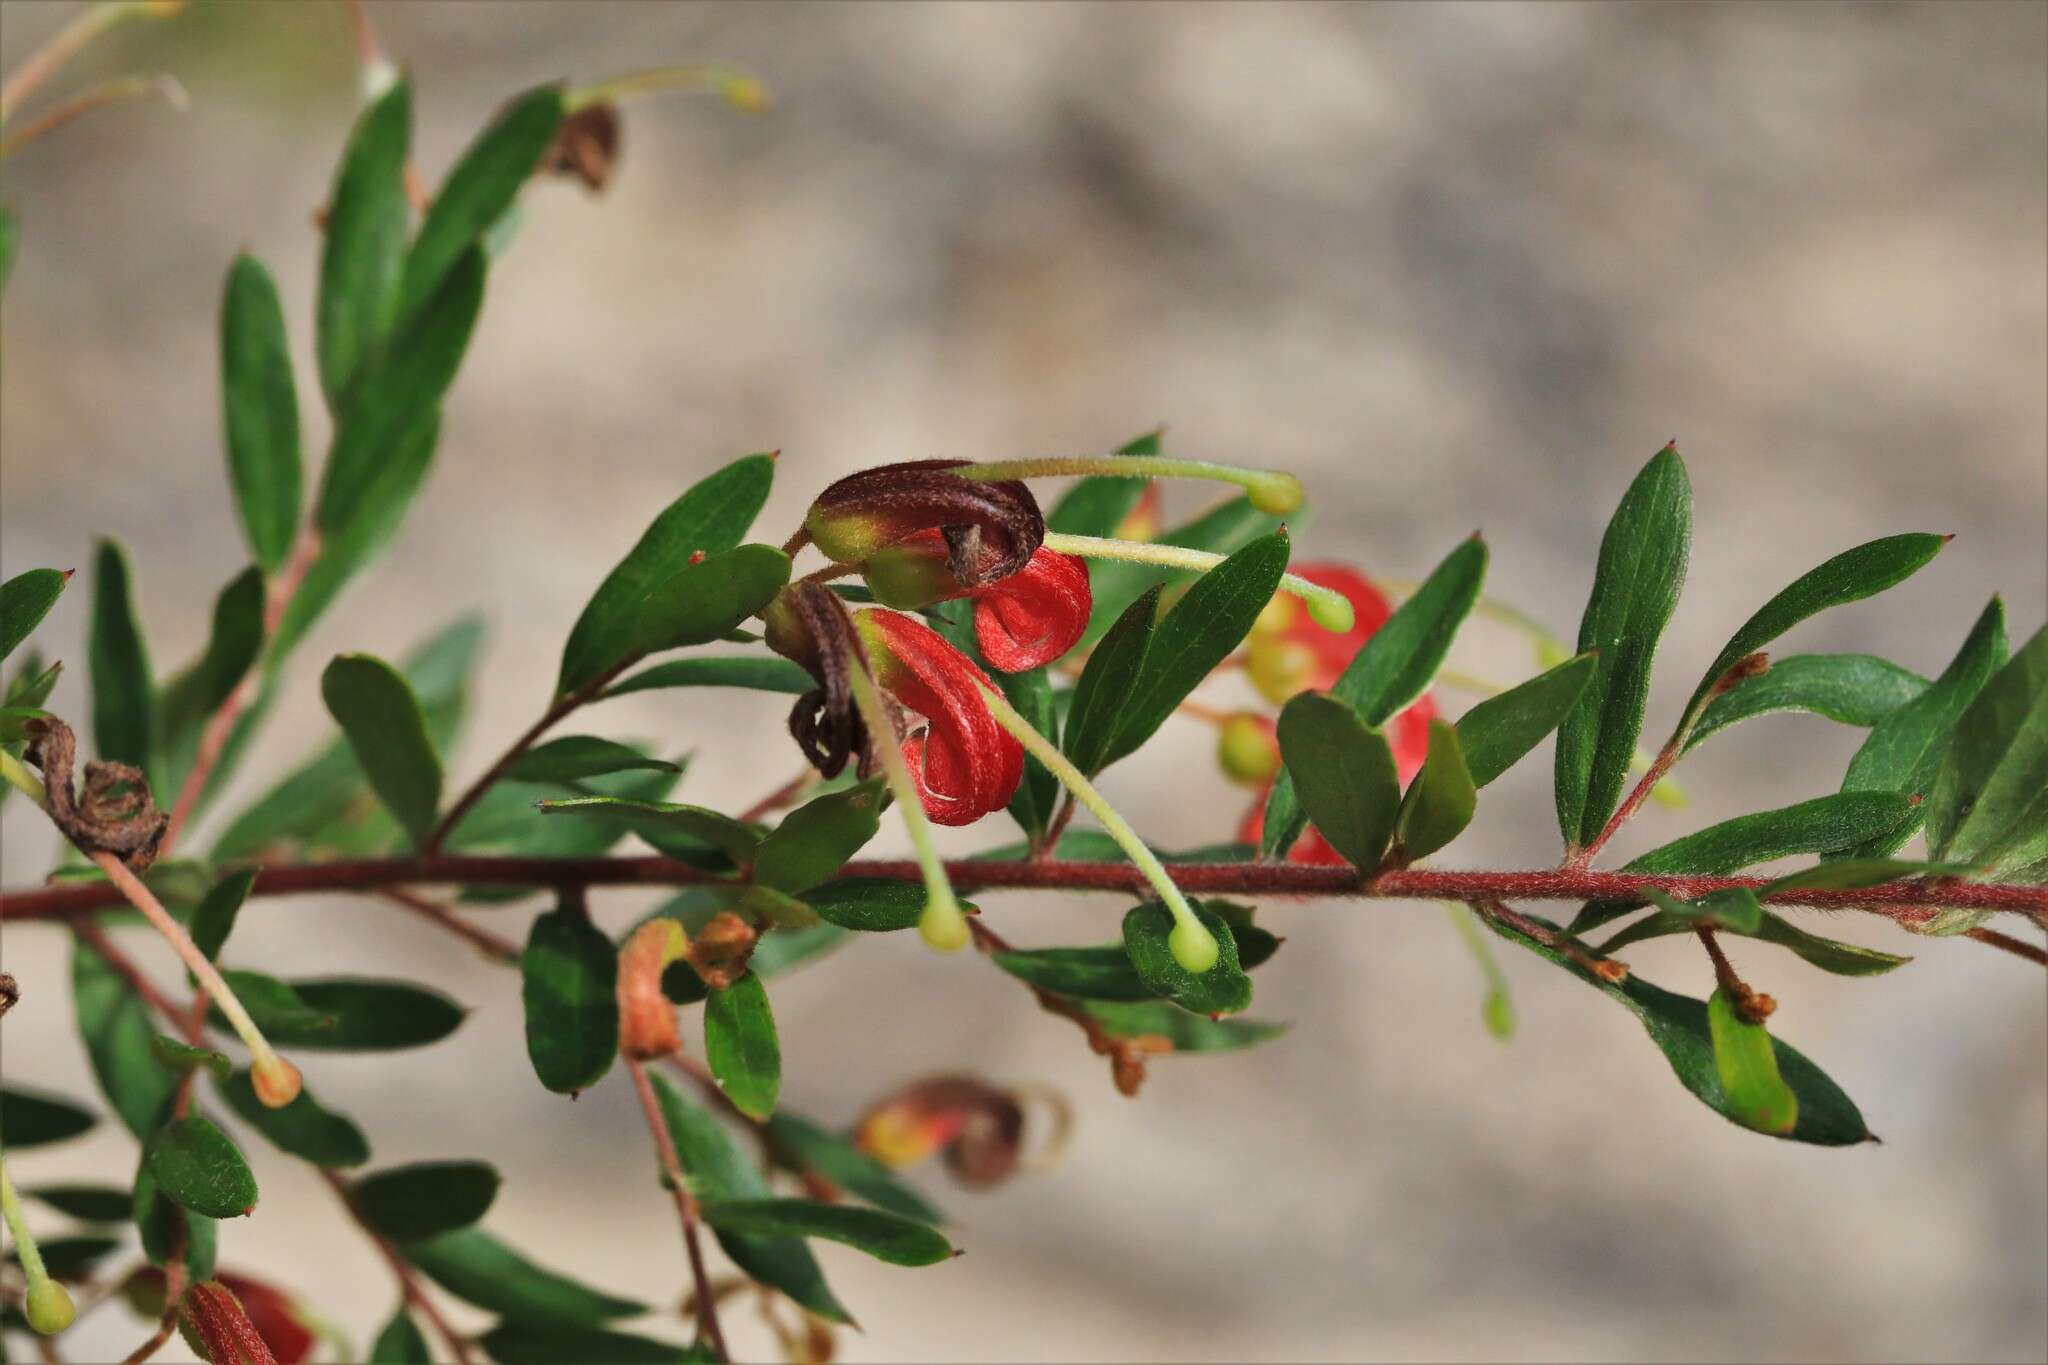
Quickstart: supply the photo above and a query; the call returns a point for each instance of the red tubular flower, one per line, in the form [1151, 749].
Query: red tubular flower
[964, 763]
[1027, 619]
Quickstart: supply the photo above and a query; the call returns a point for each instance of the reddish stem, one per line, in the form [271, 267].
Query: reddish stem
[686, 1207]
[408, 1281]
[1668, 755]
[494, 946]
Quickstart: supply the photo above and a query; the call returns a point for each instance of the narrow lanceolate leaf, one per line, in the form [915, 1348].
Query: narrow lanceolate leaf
[1853, 689]
[1038, 792]
[706, 601]
[401, 1342]
[519, 1343]
[1441, 800]
[68, 1258]
[575, 757]
[1097, 505]
[179, 1057]
[570, 988]
[1830, 955]
[1200, 632]
[1223, 989]
[304, 1128]
[1186, 1032]
[427, 1198]
[1678, 1025]
[397, 400]
[478, 190]
[30, 1118]
[25, 600]
[379, 714]
[847, 1166]
[1390, 671]
[654, 818]
[1344, 778]
[1635, 588]
[87, 1203]
[711, 517]
[884, 1236]
[197, 1167]
[815, 840]
[260, 412]
[189, 700]
[123, 703]
[1825, 824]
[1095, 973]
[716, 1169]
[1989, 806]
[1748, 1065]
[1850, 576]
[116, 1029]
[344, 1014]
[760, 675]
[866, 903]
[1112, 670]
[1498, 732]
[741, 1046]
[1904, 751]
[479, 1269]
[363, 255]
[1222, 530]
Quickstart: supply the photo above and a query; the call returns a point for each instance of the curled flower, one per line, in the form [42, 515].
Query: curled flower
[979, 1127]
[809, 624]
[647, 1020]
[964, 764]
[990, 527]
[1021, 621]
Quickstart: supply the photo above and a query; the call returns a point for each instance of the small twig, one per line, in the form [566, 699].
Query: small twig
[1606, 968]
[408, 1281]
[686, 1206]
[1050, 840]
[91, 98]
[494, 946]
[1752, 1005]
[782, 796]
[1581, 859]
[2017, 947]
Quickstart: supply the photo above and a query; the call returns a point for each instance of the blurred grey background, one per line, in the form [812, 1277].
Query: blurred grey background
[1460, 266]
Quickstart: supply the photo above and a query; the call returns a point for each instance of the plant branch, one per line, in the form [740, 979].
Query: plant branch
[1659, 766]
[496, 947]
[408, 1281]
[686, 1206]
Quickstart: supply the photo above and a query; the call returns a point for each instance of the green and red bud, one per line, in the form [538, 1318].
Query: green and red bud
[990, 527]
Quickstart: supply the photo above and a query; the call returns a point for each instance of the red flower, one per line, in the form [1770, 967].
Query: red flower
[1029, 618]
[964, 763]
[979, 1128]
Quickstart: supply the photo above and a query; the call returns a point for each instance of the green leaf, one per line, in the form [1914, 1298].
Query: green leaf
[1441, 800]
[760, 675]
[260, 412]
[1904, 751]
[1989, 805]
[1498, 732]
[117, 1031]
[741, 1046]
[1096, 712]
[1635, 587]
[25, 600]
[394, 403]
[363, 255]
[10, 242]
[1853, 689]
[1223, 989]
[477, 1268]
[164, 1226]
[1822, 825]
[1678, 1025]
[1200, 632]
[304, 1128]
[1344, 775]
[518, 1343]
[87, 1203]
[716, 1170]
[1103, 973]
[845, 1165]
[711, 517]
[575, 757]
[478, 190]
[722, 832]
[381, 717]
[14, 721]
[344, 1014]
[71, 1258]
[868, 904]
[1097, 505]
[401, 1342]
[1186, 1032]
[1748, 1065]
[1222, 530]
[214, 920]
[884, 1236]
[815, 840]
[190, 699]
[123, 704]
[1038, 792]
[1850, 576]
[570, 987]
[706, 601]
[35, 1118]
[178, 1058]
[198, 1167]
[1830, 955]
[427, 1198]
[1390, 671]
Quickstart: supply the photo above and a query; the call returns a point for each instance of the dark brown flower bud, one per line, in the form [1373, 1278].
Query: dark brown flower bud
[991, 527]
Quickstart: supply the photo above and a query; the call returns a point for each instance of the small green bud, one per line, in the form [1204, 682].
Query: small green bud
[1499, 1012]
[1193, 946]
[1247, 751]
[50, 1309]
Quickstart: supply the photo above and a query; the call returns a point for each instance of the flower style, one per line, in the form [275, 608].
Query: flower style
[990, 527]
[1029, 618]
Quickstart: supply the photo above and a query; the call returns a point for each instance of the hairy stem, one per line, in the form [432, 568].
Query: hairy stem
[1328, 609]
[1271, 491]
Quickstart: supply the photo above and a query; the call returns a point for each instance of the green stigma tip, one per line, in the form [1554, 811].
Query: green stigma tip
[1332, 612]
[49, 1307]
[1277, 495]
[1193, 946]
[943, 927]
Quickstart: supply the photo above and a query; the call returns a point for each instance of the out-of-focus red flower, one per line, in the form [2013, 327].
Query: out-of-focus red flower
[964, 763]
[990, 527]
[978, 1126]
[1027, 619]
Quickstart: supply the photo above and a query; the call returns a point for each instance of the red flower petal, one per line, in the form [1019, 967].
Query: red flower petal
[1035, 615]
[964, 763]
